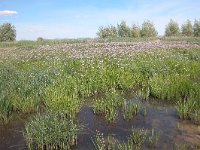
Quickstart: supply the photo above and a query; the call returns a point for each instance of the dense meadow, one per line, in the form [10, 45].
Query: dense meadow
[50, 82]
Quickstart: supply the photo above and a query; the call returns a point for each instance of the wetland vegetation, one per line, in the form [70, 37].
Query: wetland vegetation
[64, 85]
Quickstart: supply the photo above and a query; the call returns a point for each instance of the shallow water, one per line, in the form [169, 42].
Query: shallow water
[11, 136]
[162, 118]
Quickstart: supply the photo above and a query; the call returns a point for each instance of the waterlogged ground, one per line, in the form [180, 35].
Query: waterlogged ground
[38, 76]
[162, 117]
[11, 136]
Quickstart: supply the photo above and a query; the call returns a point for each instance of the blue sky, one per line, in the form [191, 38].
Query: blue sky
[82, 18]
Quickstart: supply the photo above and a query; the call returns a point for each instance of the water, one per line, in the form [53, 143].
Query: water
[162, 118]
[11, 136]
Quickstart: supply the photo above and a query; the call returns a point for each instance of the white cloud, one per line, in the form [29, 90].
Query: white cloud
[7, 13]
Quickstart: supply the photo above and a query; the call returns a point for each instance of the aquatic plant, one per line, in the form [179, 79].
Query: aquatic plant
[99, 141]
[195, 116]
[144, 93]
[138, 136]
[174, 86]
[135, 141]
[153, 138]
[62, 97]
[130, 109]
[112, 142]
[108, 105]
[180, 147]
[183, 109]
[5, 108]
[144, 111]
[50, 131]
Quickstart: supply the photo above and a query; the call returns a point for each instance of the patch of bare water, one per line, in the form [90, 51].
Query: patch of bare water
[11, 136]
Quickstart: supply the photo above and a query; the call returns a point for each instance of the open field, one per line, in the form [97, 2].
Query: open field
[93, 94]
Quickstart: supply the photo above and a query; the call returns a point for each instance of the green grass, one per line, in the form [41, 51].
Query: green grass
[33, 44]
[130, 110]
[50, 131]
[153, 138]
[109, 105]
[59, 83]
[28, 83]
[136, 140]
[62, 97]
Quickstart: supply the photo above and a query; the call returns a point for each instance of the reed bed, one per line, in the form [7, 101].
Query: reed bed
[51, 132]
[137, 139]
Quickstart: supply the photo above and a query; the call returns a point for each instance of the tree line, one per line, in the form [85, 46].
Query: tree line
[148, 30]
[8, 31]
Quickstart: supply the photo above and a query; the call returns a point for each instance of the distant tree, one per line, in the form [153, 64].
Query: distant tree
[7, 32]
[196, 28]
[39, 39]
[123, 30]
[107, 32]
[187, 29]
[135, 31]
[148, 29]
[172, 29]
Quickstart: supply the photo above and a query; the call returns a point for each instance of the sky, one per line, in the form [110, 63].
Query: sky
[61, 19]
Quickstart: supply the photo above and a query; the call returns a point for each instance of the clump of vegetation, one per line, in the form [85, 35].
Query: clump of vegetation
[172, 29]
[148, 29]
[135, 31]
[50, 131]
[40, 39]
[61, 97]
[99, 141]
[108, 105]
[183, 108]
[107, 32]
[187, 28]
[7, 33]
[136, 140]
[123, 30]
[144, 92]
[170, 87]
[153, 138]
[130, 109]
[180, 147]
[196, 28]
[195, 116]
[5, 108]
